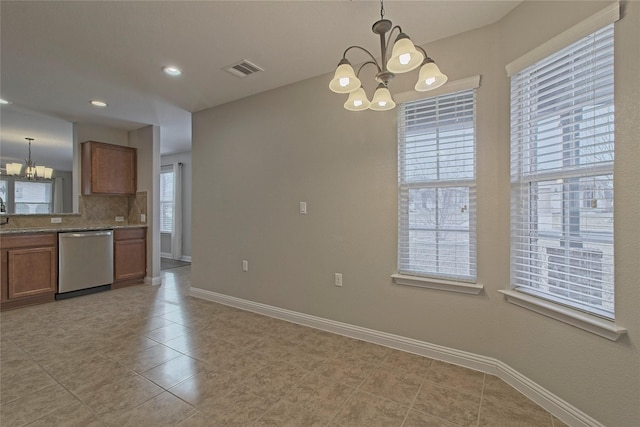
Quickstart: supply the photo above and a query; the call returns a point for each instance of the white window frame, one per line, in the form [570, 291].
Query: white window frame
[573, 314]
[171, 202]
[11, 202]
[406, 275]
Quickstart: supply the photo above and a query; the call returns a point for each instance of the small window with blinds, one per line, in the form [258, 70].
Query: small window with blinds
[166, 200]
[437, 188]
[562, 153]
[31, 197]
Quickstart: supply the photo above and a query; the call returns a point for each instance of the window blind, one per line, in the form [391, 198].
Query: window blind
[437, 195]
[606, 16]
[33, 197]
[562, 153]
[166, 200]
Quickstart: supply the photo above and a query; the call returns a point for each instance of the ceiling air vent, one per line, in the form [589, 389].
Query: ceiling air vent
[242, 69]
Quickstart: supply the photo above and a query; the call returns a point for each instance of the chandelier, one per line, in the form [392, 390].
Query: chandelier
[31, 171]
[405, 57]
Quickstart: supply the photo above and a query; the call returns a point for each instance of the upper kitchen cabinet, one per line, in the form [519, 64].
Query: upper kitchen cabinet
[108, 169]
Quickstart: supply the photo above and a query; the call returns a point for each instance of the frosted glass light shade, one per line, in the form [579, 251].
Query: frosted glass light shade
[44, 172]
[30, 172]
[430, 77]
[357, 101]
[404, 56]
[14, 168]
[344, 80]
[382, 100]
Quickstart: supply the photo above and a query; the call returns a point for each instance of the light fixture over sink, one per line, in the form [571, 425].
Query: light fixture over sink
[31, 171]
[405, 57]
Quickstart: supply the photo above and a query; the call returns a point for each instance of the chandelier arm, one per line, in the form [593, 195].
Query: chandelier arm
[362, 66]
[426, 57]
[344, 55]
[397, 27]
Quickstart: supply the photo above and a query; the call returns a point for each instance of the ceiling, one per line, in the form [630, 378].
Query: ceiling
[58, 55]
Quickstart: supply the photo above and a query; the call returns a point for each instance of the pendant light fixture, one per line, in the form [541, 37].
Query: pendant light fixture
[31, 171]
[405, 57]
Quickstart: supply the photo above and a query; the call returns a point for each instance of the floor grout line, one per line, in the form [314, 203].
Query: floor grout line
[203, 323]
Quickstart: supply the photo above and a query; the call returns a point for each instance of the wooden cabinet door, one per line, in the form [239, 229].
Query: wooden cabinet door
[108, 169]
[130, 259]
[4, 275]
[31, 272]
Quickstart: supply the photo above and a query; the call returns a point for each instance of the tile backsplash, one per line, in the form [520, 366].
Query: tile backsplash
[94, 211]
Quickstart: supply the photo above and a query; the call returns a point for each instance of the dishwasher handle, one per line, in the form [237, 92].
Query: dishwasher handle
[87, 234]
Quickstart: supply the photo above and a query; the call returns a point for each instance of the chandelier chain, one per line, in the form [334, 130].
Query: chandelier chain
[29, 161]
[381, 9]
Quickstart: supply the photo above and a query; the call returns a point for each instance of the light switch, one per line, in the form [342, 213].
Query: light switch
[337, 279]
[303, 208]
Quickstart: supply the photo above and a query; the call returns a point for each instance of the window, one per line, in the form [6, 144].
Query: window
[33, 197]
[166, 200]
[437, 189]
[27, 197]
[4, 191]
[562, 153]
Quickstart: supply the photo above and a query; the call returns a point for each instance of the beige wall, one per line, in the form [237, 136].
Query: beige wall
[147, 142]
[87, 132]
[255, 159]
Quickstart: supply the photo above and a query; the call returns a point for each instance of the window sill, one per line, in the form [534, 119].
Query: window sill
[441, 285]
[595, 325]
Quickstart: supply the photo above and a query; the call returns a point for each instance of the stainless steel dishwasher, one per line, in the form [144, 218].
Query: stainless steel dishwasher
[85, 262]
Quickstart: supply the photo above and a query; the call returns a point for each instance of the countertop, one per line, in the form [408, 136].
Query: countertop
[67, 229]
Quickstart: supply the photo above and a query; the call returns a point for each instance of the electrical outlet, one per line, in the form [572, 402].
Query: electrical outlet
[143, 218]
[245, 265]
[119, 219]
[56, 220]
[338, 279]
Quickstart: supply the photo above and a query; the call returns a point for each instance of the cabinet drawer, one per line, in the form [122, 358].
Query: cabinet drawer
[129, 233]
[27, 240]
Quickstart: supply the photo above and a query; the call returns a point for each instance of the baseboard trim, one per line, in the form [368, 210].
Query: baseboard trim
[152, 280]
[184, 258]
[561, 409]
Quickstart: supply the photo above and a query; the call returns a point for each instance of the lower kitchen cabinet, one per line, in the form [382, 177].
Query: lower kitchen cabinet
[129, 256]
[29, 269]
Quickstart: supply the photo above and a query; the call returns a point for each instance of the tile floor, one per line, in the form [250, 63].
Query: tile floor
[153, 356]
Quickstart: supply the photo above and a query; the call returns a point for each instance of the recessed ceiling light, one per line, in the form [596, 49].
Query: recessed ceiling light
[171, 70]
[4, 101]
[98, 103]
